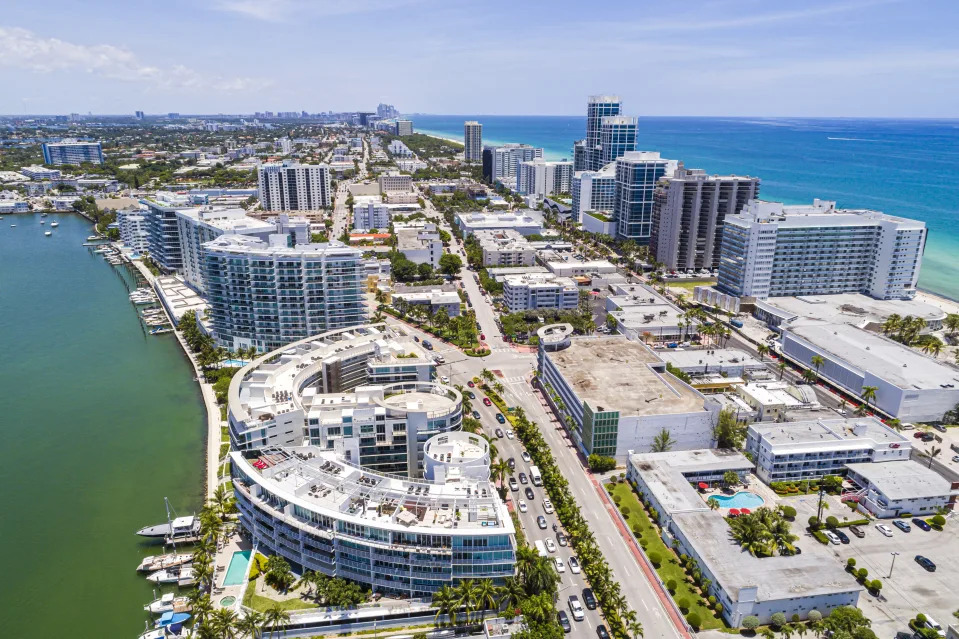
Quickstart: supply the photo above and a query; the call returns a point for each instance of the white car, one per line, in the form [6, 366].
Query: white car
[445, 379]
[831, 536]
[574, 565]
[548, 506]
[550, 545]
[560, 566]
[509, 434]
[522, 506]
[526, 457]
[884, 529]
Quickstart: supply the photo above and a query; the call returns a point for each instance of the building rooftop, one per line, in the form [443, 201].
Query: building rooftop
[849, 308]
[524, 217]
[829, 432]
[820, 213]
[711, 359]
[456, 447]
[883, 357]
[228, 220]
[904, 479]
[244, 245]
[539, 280]
[319, 480]
[615, 373]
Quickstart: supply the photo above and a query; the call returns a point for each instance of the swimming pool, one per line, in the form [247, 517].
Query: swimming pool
[742, 499]
[233, 363]
[236, 571]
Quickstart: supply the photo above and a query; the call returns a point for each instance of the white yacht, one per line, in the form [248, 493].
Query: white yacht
[48, 233]
[160, 562]
[54, 224]
[168, 603]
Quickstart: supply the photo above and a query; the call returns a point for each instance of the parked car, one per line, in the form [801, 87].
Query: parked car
[920, 523]
[487, 401]
[500, 418]
[589, 598]
[576, 608]
[526, 457]
[832, 537]
[550, 545]
[932, 623]
[926, 563]
[919, 434]
[843, 537]
[857, 531]
[522, 506]
[541, 522]
[884, 529]
[955, 458]
[483, 336]
[939, 427]
[415, 338]
[928, 437]
[574, 565]
[471, 384]
[901, 525]
[561, 538]
[529, 493]
[601, 632]
[564, 621]
[444, 379]
[523, 479]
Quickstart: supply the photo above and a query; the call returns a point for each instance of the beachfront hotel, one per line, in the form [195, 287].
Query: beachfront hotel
[268, 294]
[72, 152]
[689, 210]
[772, 250]
[289, 186]
[618, 394]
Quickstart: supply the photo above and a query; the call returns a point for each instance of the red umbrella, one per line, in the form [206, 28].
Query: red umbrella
[733, 512]
[703, 486]
[745, 511]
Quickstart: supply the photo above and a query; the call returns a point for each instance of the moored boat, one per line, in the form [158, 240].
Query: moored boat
[171, 620]
[168, 603]
[159, 562]
[48, 233]
[54, 224]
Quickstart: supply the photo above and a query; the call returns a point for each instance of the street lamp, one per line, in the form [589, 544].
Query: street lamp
[894, 555]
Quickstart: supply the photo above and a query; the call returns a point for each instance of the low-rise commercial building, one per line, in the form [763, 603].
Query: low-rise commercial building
[902, 487]
[846, 308]
[618, 394]
[270, 294]
[420, 245]
[14, 206]
[434, 298]
[535, 291]
[771, 400]
[395, 181]
[579, 268]
[505, 247]
[797, 451]
[641, 313]
[713, 361]
[524, 222]
[744, 584]
[37, 172]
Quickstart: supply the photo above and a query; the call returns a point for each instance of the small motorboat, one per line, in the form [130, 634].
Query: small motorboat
[48, 233]
[156, 633]
[161, 562]
[168, 603]
[54, 224]
[43, 221]
[171, 620]
[170, 575]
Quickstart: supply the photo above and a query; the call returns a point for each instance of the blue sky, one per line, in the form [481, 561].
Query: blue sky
[855, 58]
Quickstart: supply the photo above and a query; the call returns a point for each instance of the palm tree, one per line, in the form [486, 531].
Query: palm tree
[202, 607]
[713, 503]
[634, 628]
[782, 368]
[869, 393]
[500, 470]
[810, 376]
[274, 618]
[223, 502]
[817, 361]
[762, 349]
[487, 595]
[224, 623]
[444, 600]
[512, 593]
[377, 317]
[251, 625]
[663, 442]
[467, 596]
[932, 454]
[891, 324]
[952, 323]
[541, 576]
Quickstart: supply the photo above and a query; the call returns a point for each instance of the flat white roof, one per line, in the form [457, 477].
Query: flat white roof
[850, 308]
[828, 433]
[904, 479]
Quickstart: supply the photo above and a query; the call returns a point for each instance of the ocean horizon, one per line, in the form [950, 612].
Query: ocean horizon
[904, 167]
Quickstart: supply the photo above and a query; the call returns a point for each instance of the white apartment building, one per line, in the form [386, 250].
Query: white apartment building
[895, 489]
[399, 150]
[37, 172]
[72, 152]
[420, 244]
[270, 294]
[594, 191]
[524, 222]
[199, 226]
[505, 248]
[370, 212]
[796, 451]
[689, 210]
[772, 250]
[433, 298]
[14, 206]
[534, 291]
[746, 585]
[395, 181]
[504, 160]
[473, 141]
[134, 229]
[619, 395]
[541, 178]
[294, 187]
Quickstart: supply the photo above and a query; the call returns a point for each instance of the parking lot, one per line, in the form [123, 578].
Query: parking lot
[911, 589]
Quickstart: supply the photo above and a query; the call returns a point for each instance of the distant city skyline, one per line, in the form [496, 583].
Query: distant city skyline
[853, 58]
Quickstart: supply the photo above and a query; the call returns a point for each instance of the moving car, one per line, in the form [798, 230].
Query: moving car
[884, 529]
[857, 531]
[444, 379]
[483, 336]
[561, 538]
[541, 522]
[920, 523]
[926, 563]
[476, 414]
[525, 456]
[487, 401]
[550, 545]
[548, 506]
[560, 566]
[511, 462]
[529, 493]
[601, 632]
[499, 433]
[509, 434]
[500, 418]
[576, 608]
[522, 506]
[901, 525]
[513, 485]
[471, 394]
[470, 384]
[523, 479]
[589, 599]
[564, 621]
[574, 565]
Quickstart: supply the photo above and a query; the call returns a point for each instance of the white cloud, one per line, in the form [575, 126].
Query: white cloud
[21, 48]
[281, 10]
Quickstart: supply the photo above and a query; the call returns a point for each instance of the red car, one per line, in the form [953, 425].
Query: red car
[470, 384]
[487, 401]
[483, 336]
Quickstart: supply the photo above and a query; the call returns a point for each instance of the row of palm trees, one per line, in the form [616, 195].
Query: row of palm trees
[461, 329]
[763, 532]
[207, 353]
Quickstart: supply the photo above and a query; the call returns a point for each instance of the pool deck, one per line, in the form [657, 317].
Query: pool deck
[770, 498]
[224, 555]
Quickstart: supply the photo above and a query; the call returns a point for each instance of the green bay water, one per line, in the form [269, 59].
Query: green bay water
[901, 167]
[99, 422]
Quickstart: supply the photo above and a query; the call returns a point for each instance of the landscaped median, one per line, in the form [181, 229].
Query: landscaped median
[705, 612]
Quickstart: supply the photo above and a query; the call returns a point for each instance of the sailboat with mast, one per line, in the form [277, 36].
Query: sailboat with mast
[175, 529]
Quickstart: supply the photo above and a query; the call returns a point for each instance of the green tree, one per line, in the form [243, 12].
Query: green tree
[275, 618]
[663, 441]
[450, 264]
[729, 433]
[869, 394]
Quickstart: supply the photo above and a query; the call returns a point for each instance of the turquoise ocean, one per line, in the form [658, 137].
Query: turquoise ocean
[902, 167]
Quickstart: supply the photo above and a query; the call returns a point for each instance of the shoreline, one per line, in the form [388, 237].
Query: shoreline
[440, 137]
[206, 391]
